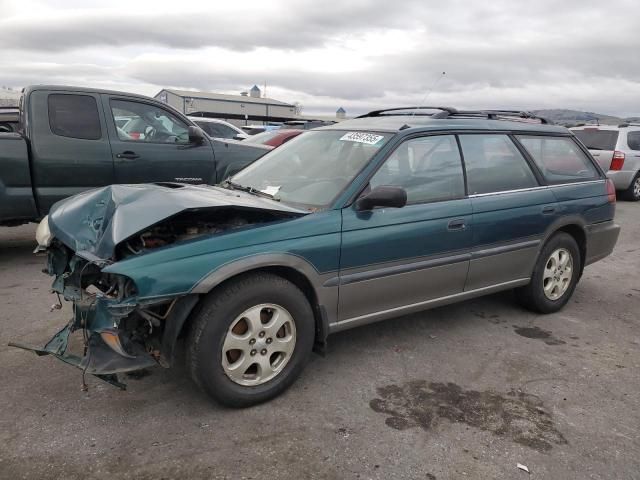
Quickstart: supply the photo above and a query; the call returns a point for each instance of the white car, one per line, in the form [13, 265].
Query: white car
[617, 150]
[217, 128]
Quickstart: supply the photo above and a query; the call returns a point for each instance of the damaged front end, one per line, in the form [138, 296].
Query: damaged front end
[120, 334]
[124, 326]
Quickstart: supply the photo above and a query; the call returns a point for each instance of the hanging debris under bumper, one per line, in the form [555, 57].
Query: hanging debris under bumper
[120, 332]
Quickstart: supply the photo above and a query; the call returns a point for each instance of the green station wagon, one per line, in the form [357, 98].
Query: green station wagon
[394, 212]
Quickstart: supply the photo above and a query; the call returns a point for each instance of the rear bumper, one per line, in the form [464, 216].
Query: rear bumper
[621, 178]
[601, 239]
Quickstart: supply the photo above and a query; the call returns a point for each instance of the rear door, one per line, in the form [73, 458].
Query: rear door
[511, 210]
[153, 145]
[396, 259]
[69, 145]
[601, 142]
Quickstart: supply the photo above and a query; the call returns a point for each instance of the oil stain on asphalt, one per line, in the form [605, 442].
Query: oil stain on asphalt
[538, 333]
[516, 415]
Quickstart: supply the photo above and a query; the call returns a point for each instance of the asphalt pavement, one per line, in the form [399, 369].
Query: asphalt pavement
[464, 391]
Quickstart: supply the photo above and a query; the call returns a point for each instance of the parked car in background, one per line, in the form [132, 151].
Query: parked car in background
[71, 140]
[217, 128]
[274, 138]
[255, 129]
[617, 150]
[346, 225]
[9, 119]
[307, 124]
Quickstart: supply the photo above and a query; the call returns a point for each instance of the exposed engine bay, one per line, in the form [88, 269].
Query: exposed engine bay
[192, 224]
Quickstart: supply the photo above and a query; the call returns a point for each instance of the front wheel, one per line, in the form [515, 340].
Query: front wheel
[555, 275]
[250, 339]
[633, 192]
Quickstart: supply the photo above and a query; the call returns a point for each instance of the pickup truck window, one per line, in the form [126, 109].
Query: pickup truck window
[74, 116]
[147, 123]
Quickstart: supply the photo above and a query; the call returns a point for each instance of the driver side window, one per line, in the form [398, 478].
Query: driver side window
[428, 168]
[141, 122]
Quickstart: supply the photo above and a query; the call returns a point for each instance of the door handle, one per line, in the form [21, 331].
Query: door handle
[457, 224]
[548, 210]
[128, 155]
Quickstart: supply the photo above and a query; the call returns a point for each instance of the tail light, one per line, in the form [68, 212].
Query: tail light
[617, 161]
[611, 191]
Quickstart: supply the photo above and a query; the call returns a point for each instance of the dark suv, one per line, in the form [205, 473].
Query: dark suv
[394, 212]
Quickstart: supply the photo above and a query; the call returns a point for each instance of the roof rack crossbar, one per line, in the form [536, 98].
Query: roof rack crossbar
[409, 111]
[449, 112]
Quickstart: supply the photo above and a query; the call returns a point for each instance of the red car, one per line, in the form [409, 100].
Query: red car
[274, 138]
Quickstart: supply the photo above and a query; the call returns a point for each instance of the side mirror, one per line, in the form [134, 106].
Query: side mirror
[196, 135]
[383, 196]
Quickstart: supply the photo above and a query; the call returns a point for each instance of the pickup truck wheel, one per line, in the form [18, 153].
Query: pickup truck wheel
[250, 339]
[555, 276]
[633, 192]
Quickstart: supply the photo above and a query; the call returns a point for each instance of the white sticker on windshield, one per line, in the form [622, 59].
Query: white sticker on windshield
[271, 190]
[362, 137]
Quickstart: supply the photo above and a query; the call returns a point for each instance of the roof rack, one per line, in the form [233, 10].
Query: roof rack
[629, 124]
[450, 112]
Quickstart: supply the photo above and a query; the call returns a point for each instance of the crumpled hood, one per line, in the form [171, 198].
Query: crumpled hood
[94, 222]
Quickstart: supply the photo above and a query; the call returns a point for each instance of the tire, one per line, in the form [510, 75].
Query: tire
[533, 296]
[632, 193]
[235, 314]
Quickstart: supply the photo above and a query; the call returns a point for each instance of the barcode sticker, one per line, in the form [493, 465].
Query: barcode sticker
[362, 137]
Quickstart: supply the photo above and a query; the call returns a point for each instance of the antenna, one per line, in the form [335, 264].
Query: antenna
[426, 95]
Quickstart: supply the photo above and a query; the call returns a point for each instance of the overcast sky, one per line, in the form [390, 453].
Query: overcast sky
[360, 55]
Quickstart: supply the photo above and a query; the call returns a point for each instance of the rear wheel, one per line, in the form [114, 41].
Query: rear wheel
[250, 339]
[555, 275]
[633, 192]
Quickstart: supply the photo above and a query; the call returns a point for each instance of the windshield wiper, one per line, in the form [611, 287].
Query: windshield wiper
[251, 190]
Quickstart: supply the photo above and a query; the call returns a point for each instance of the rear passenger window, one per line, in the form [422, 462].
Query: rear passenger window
[559, 158]
[633, 139]
[494, 164]
[428, 168]
[74, 116]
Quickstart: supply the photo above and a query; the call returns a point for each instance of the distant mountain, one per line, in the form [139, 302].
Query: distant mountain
[574, 117]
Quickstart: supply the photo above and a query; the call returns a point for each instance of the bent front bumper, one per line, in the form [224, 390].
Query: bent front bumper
[99, 358]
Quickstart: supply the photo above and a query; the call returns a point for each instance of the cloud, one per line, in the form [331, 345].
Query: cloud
[357, 54]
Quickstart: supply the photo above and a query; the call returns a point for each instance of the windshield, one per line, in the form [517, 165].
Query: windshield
[312, 169]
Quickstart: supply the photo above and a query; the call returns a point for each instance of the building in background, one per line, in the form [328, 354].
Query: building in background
[240, 109]
[244, 109]
[9, 97]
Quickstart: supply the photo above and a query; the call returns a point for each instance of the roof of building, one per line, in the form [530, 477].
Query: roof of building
[225, 97]
[342, 110]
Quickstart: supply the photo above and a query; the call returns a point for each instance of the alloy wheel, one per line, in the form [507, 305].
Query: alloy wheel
[258, 345]
[558, 272]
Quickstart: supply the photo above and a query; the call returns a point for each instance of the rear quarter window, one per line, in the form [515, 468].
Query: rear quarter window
[559, 158]
[74, 116]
